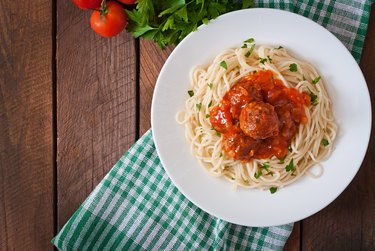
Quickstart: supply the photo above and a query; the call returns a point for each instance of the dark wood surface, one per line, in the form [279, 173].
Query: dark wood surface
[71, 103]
[96, 105]
[26, 126]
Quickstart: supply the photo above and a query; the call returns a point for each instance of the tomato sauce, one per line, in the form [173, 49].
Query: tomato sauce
[259, 116]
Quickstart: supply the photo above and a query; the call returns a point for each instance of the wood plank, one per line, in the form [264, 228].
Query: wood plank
[293, 242]
[96, 105]
[349, 222]
[26, 134]
[152, 59]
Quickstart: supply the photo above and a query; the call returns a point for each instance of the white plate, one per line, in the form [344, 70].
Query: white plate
[306, 40]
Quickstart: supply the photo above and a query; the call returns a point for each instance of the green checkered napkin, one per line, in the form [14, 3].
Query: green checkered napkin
[136, 206]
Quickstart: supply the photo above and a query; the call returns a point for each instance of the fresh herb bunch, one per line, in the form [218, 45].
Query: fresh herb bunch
[169, 21]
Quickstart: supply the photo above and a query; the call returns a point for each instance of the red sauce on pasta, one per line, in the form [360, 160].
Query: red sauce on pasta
[259, 116]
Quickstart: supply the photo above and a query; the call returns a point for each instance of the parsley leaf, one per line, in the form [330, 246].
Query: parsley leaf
[269, 59]
[273, 189]
[278, 48]
[168, 22]
[207, 116]
[316, 80]
[191, 93]
[265, 166]
[209, 104]
[224, 65]
[210, 85]
[289, 149]
[199, 106]
[293, 67]
[258, 174]
[282, 161]
[290, 166]
[218, 133]
[250, 40]
[250, 51]
[262, 60]
[221, 155]
[313, 98]
[325, 142]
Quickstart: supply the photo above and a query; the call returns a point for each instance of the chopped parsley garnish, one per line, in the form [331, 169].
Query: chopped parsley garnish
[293, 67]
[325, 142]
[273, 189]
[289, 149]
[269, 59]
[303, 77]
[278, 48]
[262, 60]
[191, 93]
[250, 40]
[218, 133]
[265, 166]
[199, 106]
[244, 46]
[207, 116]
[224, 65]
[221, 155]
[210, 85]
[313, 98]
[290, 166]
[258, 174]
[250, 51]
[316, 80]
[282, 161]
[209, 104]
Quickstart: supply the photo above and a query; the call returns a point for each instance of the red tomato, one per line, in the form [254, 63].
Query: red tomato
[127, 1]
[88, 4]
[111, 23]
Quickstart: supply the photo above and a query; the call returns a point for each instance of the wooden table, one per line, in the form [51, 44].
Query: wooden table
[71, 103]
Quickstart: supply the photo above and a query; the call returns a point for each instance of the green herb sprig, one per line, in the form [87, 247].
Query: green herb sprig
[168, 22]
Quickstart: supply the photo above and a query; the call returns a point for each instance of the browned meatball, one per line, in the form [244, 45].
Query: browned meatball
[259, 120]
[239, 146]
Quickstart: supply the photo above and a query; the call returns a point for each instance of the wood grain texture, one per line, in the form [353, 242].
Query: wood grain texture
[96, 105]
[349, 222]
[152, 59]
[26, 135]
[293, 242]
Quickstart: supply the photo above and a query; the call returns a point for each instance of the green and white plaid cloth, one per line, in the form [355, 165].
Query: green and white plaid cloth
[136, 206]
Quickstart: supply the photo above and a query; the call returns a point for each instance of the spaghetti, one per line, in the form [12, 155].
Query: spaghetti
[311, 143]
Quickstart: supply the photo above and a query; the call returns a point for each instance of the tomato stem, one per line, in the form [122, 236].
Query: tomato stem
[103, 9]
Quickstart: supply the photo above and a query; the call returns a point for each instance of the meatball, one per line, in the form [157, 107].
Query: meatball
[220, 118]
[241, 94]
[239, 146]
[259, 120]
